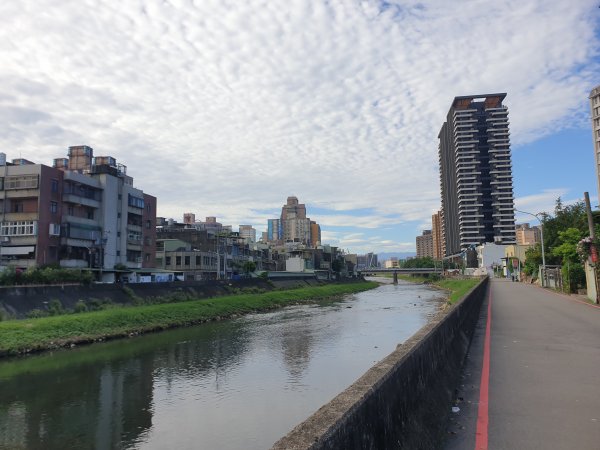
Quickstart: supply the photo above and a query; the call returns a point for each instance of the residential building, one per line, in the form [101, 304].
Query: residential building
[425, 245]
[189, 218]
[595, 108]
[527, 235]
[274, 232]
[294, 224]
[391, 263]
[436, 234]
[248, 233]
[315, 234]
[181, 256]
[476, 174]
[366, 261]
[229, 250]
[82, 212]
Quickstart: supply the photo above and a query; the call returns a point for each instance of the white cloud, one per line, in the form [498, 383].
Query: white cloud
[225, 109]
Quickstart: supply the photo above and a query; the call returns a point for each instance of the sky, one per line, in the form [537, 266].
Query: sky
[226, 108]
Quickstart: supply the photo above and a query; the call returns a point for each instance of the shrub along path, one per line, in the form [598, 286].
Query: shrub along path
[24, 336]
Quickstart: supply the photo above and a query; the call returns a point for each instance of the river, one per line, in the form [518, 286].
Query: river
[237, 384]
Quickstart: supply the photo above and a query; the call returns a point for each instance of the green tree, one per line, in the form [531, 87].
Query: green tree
[248, 266]
[533, 260]
[566, 249]
[417, 263]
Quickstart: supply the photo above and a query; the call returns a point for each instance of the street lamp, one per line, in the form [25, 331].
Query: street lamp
[541, 234]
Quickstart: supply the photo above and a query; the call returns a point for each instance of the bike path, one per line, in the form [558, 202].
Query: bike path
[542, 390]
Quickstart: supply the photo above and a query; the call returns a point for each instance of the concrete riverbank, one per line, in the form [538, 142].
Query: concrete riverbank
[404, 400]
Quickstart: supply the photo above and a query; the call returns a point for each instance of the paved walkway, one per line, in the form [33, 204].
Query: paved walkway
[542, 390]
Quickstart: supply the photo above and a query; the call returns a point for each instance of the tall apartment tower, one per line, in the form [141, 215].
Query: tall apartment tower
[436, 232]
[294, 223]
[595, 107]
[425, 245]
[476, 174]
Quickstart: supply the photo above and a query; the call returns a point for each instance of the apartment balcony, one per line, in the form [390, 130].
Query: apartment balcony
[80, 200]
[134, 228]
[134, 244]
[74, 263]
[133, 264]
[20, 216]
[81, 220]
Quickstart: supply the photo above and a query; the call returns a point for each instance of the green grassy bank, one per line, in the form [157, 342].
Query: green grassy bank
[457, 287]
[24, 336]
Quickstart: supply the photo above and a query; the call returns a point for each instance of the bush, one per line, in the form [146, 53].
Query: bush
[135, 299]
[80, 307]
[55, 307]
[44, 275]
[3, 315]
[96, 304]
[36, 314]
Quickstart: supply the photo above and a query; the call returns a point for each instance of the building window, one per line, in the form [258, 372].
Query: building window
[17, 207]
[70, 210]
[21, 182]
[178, 260]
[197, 260]
[53, 207]
[19, 228]
[168, 261]
[187, 260]
[148, 224]
[90, 213]
[54, 185]
[135, 202]
[118, 252]
[118, 234]
[147, 257]
[118, 215]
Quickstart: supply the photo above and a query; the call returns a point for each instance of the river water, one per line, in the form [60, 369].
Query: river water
[238, 384]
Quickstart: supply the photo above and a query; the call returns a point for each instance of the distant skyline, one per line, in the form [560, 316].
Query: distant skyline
[227, 109]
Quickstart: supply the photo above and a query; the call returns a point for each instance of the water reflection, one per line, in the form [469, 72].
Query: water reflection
[236, 384]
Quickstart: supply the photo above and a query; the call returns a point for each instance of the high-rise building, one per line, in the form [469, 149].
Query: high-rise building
[315, 233]
[436, 234]
[274, 230]
[248, 233]
[295, 226]
[476, 174]
[527, 235]
[425, 245]
[595, 107]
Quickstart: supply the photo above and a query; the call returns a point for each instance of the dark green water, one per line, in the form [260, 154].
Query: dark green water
[240, 384]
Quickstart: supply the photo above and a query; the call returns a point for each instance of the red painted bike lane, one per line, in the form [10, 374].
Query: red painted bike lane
[535, 384]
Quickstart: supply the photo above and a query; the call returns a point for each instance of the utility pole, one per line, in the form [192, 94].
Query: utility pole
[593, 249]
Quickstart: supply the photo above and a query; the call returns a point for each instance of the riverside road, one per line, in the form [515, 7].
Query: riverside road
[532, 376]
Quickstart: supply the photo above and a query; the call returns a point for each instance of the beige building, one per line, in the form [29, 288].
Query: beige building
[425, 245]
[391, 263]
[595, 107]
[516, 251]
[436, 233]
[527, 235]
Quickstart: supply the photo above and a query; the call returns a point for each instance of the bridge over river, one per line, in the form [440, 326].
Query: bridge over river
[396, 270]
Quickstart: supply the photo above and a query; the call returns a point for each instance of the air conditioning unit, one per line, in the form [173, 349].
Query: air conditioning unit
[54, 229]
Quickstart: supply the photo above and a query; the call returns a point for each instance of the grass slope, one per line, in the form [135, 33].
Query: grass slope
[22, 336]
[457, 287]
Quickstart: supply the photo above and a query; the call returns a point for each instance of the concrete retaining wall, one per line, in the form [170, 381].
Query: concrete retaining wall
[17, 301]
[403, 402]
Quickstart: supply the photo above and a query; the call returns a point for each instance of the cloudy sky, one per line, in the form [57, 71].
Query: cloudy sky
[225, 108]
